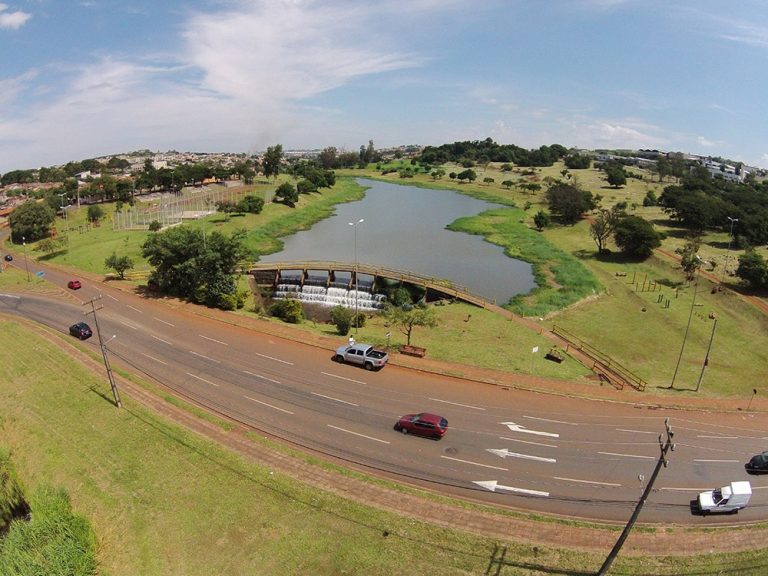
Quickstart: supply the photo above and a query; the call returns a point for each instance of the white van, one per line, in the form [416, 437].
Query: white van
[731, 498]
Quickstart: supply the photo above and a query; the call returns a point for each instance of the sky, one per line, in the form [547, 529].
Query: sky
[88, 78]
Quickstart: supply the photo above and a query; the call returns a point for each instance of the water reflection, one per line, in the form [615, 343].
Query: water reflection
[404, 228]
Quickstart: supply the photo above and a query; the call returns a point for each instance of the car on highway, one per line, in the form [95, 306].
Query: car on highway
[8, 258]
[74, 285]
[758, 464]
[81, 330]
[423, 424]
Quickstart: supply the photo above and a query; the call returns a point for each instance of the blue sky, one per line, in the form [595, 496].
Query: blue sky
[82, 79]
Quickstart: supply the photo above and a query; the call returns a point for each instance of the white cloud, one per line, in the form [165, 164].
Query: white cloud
[12, 20]
[707, 143]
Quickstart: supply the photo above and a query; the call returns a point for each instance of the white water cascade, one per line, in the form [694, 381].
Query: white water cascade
[332, 296]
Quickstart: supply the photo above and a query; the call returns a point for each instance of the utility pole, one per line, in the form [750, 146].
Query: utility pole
[103, 347]
[665, 446]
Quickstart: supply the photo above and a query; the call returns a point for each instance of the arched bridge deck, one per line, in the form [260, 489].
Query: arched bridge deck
[269, 273]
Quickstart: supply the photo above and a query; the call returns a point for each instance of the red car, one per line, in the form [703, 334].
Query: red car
[423, 424]
[74, 285]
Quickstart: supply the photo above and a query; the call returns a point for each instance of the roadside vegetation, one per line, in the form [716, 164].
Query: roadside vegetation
[163, 501]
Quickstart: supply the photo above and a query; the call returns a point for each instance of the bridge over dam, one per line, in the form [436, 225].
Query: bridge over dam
[327, 273]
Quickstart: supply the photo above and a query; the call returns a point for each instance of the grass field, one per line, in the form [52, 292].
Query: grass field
[164, 501]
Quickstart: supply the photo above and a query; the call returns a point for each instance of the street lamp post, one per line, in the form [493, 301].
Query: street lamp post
[354, 226]
[26, 262]
[64, 209]
[730, 240]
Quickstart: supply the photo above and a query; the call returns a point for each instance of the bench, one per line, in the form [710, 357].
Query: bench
[413, 351]
[555, 355]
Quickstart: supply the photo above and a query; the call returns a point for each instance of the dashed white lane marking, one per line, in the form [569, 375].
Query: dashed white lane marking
[134, 309]
[475, 463]
[457, 404]
[203, 380]
[342, 378]
[586, 481]
[636, 431]
[273, 358]
[113, 298]
[269, 405]
[155, 359]
[161, 340]
[358, 434]
[717, 437]
[262, 377]
[527, 442]
[163, 321]
[702, 460]
[213, 340]
[13, 296]
[131, 326]
[548, 420]
[628, 455]
[205, 357]
[334, 399]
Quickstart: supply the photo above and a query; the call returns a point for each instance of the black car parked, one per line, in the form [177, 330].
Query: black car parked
[758, 464]
[81, 330]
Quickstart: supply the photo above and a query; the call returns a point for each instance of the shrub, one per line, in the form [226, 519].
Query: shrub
[288, 310]
[154, 226]
[342, 318]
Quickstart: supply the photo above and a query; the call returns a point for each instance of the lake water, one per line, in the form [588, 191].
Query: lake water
[405, 228]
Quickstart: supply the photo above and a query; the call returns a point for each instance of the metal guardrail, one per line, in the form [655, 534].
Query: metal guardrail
[602, 362]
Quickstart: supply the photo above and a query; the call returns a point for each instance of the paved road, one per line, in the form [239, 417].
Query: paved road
[508, 447]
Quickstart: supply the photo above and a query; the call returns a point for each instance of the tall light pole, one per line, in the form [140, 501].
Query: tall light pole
[64, 209]
[690, 315]
[26, 262]
[730, 239]
[354, 226]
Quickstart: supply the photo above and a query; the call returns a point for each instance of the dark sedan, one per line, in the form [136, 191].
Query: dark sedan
[758, 464]
[81, 330]
[8, 258]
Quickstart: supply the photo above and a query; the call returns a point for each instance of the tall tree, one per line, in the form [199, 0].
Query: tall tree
[636, 237]
[604, 224]
[569, 202]
[31, 221]
[272, 159]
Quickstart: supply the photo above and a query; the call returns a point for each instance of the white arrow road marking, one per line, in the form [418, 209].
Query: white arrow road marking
[504, 453]
[519, 428]
[493, 486]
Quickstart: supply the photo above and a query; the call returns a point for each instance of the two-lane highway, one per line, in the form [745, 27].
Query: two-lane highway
[512, 448]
